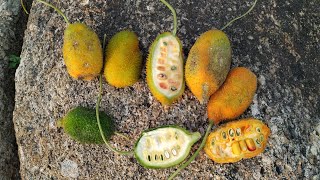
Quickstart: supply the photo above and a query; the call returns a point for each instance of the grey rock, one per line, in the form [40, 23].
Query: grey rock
[282, 50]
[9, 45]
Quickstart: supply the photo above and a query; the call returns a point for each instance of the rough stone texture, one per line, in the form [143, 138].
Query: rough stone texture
[10, 44]
[278, 41]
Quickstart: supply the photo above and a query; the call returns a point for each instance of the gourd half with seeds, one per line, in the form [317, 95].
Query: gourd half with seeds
[164, 147]
[165, 66]
[229, 102]
[237, 140]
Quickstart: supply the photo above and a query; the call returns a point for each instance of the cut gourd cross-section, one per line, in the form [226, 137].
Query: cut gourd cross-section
[167, 65]
[165, 69]
[164, 147]
[237, 140]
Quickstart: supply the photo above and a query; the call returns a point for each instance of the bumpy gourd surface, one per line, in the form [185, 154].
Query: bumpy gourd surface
[123, 60]
[164, 146]
[165, 69]
[208, 64]
[81, 125]
[82, 52]
[237, 140]
[234, 96]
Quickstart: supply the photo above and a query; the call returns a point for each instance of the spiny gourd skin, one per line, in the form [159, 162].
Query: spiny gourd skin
[208, 64]
[81, 125]
[165, 69]
[82, 52]
[123, 60]
[237, 140]
[234, 96]
[164, 146]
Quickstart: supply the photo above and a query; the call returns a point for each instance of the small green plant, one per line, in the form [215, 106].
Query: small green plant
[14, 61]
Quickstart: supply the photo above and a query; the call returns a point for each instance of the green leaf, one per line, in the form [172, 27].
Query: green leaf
[14, 61]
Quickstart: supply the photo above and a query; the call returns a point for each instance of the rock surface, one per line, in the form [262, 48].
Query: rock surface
[10, 45]
[278, 41]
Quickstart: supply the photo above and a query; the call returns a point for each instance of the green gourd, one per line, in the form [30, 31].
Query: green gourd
[164, 146]
[81, 125]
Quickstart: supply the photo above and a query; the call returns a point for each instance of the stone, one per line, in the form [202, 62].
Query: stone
[69, 169]
[283, 52]
[11, 33]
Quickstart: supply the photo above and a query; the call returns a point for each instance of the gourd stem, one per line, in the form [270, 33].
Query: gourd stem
[97, 112]
[23, 7]
[121, 135]
[195, 154]
[58, 10]
[174, 32]
[99, 124]
[239, 17]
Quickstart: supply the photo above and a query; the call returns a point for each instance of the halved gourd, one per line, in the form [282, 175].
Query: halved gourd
[237, 140]
[165, 69]
[164, 146]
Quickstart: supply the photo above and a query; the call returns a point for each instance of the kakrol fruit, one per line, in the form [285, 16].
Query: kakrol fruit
[164, 67]
[82, 51]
